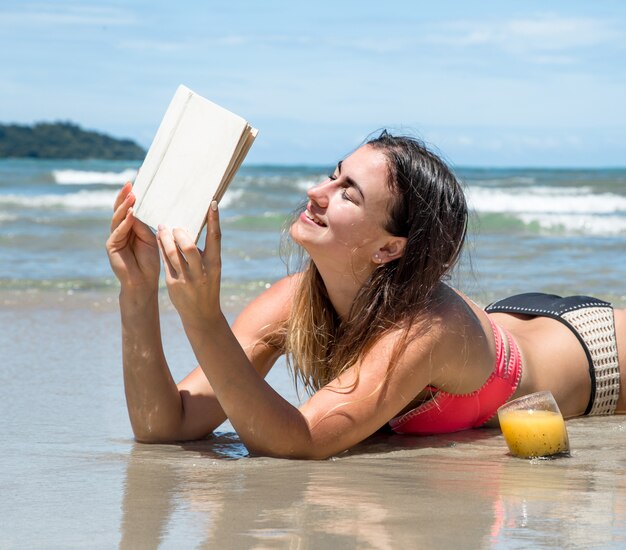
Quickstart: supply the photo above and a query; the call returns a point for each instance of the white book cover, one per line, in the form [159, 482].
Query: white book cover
[194, 156]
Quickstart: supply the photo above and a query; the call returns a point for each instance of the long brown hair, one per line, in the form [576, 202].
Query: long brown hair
[428, 209]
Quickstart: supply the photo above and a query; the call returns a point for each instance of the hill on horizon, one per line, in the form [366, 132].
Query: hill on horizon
[64, 140]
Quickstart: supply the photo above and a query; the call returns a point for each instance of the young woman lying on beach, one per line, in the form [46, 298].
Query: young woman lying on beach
[370, 326]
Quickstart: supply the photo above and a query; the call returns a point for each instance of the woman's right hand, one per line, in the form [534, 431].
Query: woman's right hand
[132, 247]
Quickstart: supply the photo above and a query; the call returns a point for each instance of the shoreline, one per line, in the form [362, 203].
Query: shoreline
[106, 299]
[102, 299]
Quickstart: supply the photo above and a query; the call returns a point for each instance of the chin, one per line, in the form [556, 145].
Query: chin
[298, 234]
[294, 233]
[303, 243]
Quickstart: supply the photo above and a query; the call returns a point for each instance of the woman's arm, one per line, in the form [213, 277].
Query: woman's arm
[162, 411]
[159, 410]
[334, 419]
[152, 399]
[261, 317]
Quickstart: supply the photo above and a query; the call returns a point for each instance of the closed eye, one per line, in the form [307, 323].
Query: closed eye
[345, 195]
[349, 182]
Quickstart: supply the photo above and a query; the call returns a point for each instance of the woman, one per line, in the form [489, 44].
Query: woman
[370, 326]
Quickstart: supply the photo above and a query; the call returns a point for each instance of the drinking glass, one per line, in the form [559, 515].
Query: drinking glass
[533, 426]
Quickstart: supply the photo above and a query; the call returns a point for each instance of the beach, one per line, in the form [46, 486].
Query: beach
[72, 476]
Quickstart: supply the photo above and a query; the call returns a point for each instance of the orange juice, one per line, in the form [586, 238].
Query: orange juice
[531, 432]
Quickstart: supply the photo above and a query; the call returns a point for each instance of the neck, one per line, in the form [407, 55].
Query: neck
[342, 286]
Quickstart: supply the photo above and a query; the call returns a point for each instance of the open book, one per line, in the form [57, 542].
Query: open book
[194, 156]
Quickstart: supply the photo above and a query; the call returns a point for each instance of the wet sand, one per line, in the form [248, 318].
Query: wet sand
[72, 477]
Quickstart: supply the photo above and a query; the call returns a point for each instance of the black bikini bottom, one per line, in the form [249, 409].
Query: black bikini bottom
[592, 322]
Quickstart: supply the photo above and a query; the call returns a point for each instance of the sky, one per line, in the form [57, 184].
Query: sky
[485, 83]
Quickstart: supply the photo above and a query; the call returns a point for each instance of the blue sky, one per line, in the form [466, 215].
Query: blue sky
[502, 83]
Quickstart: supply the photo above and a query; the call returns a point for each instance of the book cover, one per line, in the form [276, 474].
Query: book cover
[195, 154]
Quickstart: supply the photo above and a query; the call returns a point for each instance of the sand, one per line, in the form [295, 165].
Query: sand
[71, 475]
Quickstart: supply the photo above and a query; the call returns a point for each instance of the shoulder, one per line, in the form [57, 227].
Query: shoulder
[286, 286]
[270, 310]
[278, 297]
[462, 346]
[451, 332]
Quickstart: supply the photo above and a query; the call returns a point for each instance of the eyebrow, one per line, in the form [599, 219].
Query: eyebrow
[350, 181]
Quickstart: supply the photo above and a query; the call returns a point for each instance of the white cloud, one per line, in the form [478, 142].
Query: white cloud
[233, 40]
[545, 33]
[497, 139]
[152, 45]
[64, 14]
[552, 59]
[226, 41]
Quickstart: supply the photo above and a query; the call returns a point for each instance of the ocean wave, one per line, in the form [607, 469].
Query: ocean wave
[8, 217]
[577, 224]
[231, 196]
[306, 183]
[85, 199]
[82, 199]
[547, 200]
[84, 177]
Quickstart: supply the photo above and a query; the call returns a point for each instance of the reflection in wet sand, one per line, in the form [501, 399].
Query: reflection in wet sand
[566, 503]
[392, 492]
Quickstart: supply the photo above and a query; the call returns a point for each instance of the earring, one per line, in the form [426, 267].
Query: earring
[377, 257]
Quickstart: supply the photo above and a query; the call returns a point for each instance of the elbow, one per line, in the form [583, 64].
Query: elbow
[156, 434]
[296, 442]
[168, 434]
[169, 431]
[150, 437]
[308, 452]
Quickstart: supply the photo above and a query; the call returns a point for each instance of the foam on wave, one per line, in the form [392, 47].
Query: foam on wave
[85, 177]
[82, 199]
[545, 199]
[569, 209]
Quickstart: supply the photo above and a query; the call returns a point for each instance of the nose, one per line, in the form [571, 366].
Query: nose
[319, 193]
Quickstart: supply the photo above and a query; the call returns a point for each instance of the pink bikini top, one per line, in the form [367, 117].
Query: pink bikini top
[447, 412]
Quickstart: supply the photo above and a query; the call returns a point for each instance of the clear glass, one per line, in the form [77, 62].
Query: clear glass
[533, 426]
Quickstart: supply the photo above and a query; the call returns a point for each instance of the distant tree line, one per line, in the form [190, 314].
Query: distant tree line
[64, 140]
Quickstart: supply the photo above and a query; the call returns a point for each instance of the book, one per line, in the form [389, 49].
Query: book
[194, 156]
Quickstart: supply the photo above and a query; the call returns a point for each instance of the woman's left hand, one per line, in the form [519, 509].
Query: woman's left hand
[193, 276]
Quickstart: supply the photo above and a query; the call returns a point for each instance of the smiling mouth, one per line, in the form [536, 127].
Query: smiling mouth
[314, 219]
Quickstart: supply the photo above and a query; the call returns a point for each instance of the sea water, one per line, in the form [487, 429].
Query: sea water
[531, 229]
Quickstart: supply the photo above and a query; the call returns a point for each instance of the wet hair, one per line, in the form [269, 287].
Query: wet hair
[429, 209]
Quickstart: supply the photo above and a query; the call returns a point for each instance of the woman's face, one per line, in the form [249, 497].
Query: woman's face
[346, 213]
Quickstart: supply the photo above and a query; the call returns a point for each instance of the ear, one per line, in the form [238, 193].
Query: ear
[392, 250]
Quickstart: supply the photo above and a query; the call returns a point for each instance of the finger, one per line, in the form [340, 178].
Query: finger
[187, 247]
[122, 210]
[170, 272]
[119, 235]
[121, 196]
[213, 243]
[142, 230]
[171, 254]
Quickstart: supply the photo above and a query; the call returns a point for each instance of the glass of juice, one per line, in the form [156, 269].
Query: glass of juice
[533, 426]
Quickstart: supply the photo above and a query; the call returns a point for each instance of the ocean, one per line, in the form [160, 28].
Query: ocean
[557, 230]
[71, 475]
